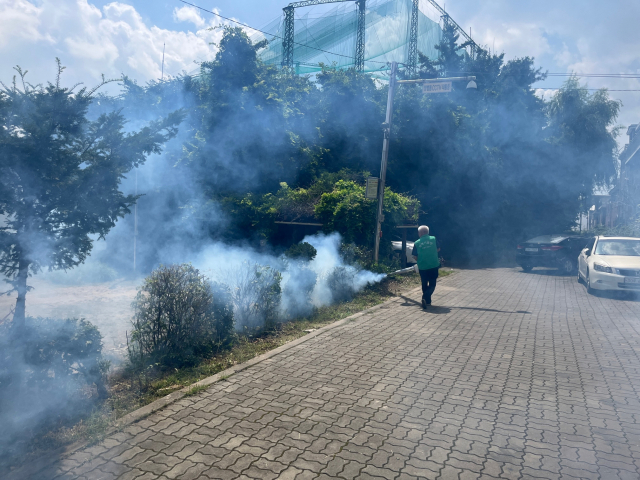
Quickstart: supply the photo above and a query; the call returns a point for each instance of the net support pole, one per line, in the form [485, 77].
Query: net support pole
[385, 157]
[413, 39]
[359, 58]
[288, 38]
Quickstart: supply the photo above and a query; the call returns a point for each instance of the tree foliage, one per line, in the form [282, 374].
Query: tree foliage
[347, 211]
[60, 175]
[488, 167]
[46, 371]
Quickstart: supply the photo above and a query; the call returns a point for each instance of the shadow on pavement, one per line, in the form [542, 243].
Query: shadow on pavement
[550, 272]
[439, 310]
[436, 310]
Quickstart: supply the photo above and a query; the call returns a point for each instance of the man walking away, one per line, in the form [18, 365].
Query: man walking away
[426, 249]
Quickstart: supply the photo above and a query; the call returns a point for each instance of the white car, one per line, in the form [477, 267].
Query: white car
[610, 263]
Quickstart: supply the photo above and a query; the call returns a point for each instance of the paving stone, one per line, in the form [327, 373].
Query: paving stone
[509, 375]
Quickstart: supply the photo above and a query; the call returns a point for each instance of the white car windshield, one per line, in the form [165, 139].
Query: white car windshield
[625, 248]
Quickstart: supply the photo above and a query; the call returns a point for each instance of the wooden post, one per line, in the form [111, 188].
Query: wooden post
[403, 255]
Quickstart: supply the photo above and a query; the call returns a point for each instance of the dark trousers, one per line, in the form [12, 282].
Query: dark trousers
[429, 279]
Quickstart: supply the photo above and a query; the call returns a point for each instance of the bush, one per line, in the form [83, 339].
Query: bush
[631, 229]
[256, 297]
[296, 297]
[301, 251]
[347, 211]
[47, 372]
[341, 282]
[178, 318]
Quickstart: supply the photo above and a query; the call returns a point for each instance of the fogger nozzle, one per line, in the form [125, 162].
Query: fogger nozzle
[406, 270]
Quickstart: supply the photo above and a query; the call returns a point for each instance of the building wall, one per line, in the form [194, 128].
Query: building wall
[629, 192]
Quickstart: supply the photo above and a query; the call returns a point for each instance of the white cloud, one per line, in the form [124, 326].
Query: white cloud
[91, 42]
[19, 19]
[564, 36]
[515, 39]
[188, 14]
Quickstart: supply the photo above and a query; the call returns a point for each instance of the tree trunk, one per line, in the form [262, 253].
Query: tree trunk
[21, 287]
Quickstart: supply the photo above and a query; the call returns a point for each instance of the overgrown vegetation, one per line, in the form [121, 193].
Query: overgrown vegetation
[127, 393]
[179, 317]
[631, 229]
[51, 373]
[301, 251]
[484, 169]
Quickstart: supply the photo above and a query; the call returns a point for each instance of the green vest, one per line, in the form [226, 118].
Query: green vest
[427, 250]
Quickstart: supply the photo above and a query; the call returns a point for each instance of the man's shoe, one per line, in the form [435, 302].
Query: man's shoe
[424, 304]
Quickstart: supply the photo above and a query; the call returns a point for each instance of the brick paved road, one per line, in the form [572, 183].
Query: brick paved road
[513, 375]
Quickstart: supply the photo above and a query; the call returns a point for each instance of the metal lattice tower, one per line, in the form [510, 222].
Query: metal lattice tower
[473, 47]
[288, 37]
[361, 34]
[413, 39]
[288, 40]
[359, 57]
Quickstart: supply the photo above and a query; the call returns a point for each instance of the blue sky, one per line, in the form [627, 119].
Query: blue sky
[93, 37]
[251, 12]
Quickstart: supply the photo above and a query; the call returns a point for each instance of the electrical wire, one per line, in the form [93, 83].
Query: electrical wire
[266, 33]
[628, 76]
[591, 89]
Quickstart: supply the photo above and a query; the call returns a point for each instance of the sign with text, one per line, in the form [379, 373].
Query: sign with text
[371, 192]
[436, 87]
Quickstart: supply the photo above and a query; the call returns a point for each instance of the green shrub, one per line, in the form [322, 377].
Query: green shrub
[629, 230]
[341, 283]
[256, 296]
[178, 318]
[47, 372]
[296, 298]
[301, 251]
[347, 211]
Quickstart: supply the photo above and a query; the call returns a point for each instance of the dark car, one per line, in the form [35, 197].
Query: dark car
[555, 251]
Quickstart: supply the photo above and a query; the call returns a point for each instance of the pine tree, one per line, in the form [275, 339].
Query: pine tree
[60, 176]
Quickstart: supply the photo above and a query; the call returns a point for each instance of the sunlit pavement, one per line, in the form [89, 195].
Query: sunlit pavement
[510, 375]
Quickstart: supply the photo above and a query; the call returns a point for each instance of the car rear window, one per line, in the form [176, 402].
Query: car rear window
[624, 248]
[547, 239]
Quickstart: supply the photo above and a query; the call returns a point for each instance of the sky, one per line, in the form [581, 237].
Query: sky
[95, 37]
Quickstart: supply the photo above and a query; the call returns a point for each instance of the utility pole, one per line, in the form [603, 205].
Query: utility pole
[162, 74]
[431, 85]
[385, 156]
[135, 224]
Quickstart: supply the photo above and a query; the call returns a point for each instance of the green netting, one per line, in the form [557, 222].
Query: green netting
[386, 36]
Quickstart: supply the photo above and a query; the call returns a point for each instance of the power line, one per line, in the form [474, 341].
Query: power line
[594, 89]
[629, 76]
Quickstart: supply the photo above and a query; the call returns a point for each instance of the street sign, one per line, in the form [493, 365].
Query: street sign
[436, 87]
[371, 192]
